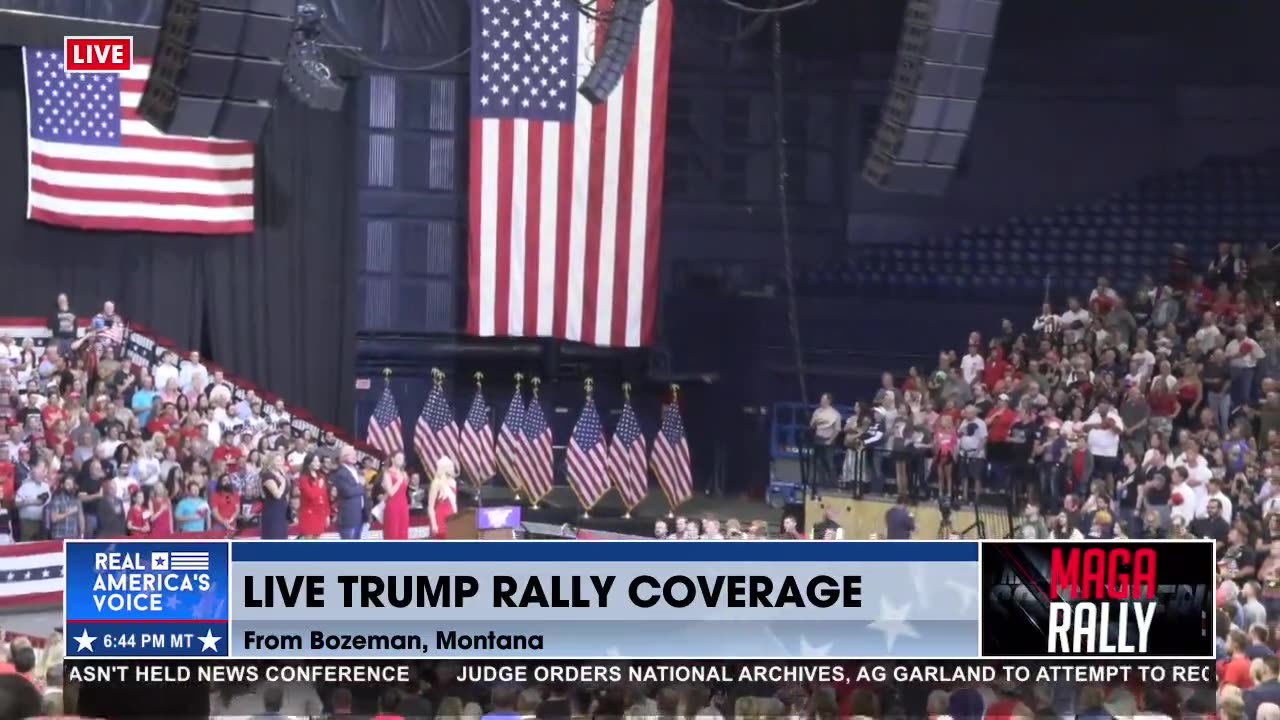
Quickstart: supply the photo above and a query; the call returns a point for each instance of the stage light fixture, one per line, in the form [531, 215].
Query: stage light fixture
[306, 74]
[620, 40]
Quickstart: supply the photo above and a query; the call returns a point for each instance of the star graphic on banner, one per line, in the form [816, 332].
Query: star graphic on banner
[84, 641]
[613, 651]
[918, 582]
[172, 602]
[209, 641]
[807, 650]
[968, 593]
[893, 623]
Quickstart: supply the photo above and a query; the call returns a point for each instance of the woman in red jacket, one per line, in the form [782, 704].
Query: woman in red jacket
[313, 499]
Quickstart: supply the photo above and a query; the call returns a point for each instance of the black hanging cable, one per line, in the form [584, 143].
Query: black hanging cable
[784, 214]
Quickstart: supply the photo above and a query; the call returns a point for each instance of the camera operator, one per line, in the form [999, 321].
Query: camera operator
[972, 452]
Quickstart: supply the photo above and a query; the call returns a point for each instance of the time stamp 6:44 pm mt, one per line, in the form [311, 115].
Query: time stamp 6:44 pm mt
[90, 642]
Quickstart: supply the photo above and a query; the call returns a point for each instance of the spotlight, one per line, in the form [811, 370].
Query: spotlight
[306, 74]
[620, 41]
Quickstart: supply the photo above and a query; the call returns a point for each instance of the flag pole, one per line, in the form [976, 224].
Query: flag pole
[386, 386]
[515, 482]
[675, 400]
[534, 384]
[588, 386]
[626, 398]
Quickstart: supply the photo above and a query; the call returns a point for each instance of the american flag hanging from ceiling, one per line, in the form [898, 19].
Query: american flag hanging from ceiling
[565, 196]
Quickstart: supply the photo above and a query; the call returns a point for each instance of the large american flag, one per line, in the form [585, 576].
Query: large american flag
[475, 444]
[587, 458]
[533, 456]
[509, 442]
[627, 453]
[435, 435]
[94, 164]
[565, 197]
[670, 458]
[385, 430]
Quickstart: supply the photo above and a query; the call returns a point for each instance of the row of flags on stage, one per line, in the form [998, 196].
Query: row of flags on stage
[521, 448]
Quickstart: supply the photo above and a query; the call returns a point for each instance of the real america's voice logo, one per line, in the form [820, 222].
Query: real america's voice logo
[138, 582]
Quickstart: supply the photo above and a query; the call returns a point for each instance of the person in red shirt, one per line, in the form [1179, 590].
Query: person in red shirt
[999, 420]
[163, 422]
[995, 368]
[313, 499]
[228, 453]
[138, 521]
[225, 505]
[1235, 669]
[53, 413]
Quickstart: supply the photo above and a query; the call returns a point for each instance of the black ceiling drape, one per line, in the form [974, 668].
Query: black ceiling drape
[276, 308]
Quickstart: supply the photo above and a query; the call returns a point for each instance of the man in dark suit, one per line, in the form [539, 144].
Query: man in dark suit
[1266, 691]
[346, 483]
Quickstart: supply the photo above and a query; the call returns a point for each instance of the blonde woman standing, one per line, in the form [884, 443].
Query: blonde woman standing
[442, 497]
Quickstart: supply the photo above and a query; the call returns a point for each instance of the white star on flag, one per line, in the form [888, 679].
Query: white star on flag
[893, 623]
[209, 641]
[918, 581]
[84, 641]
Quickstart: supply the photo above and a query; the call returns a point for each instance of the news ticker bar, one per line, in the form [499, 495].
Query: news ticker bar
[205, 599]
[1190, 673]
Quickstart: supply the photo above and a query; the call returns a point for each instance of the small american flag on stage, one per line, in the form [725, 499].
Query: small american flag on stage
[94, 164]
[627, 458]
[670, 457]
[436, 434]
[565, 196]
[475, 445]
[385, 430]
[509, 442]
[587, 458]
[533, 456]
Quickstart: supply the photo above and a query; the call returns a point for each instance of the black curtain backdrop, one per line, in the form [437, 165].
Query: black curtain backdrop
[276, 308]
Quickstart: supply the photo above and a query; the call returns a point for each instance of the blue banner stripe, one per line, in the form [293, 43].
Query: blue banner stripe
[604, 552]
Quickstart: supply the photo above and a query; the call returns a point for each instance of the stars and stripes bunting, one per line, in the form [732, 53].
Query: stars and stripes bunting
[533, 456]
[94, 164]
[385, 432]
[508, 450]
[435, 435]
[587, 457]
[565, 196]
[627, 452]
[476, 445]
[670, 457]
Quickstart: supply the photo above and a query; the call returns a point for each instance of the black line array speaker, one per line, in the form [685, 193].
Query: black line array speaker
[620, 39]
[935, 88]
[217, 67]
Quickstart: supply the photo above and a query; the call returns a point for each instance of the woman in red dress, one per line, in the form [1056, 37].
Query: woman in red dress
[442, 497]
[395, 500]
[313, 499]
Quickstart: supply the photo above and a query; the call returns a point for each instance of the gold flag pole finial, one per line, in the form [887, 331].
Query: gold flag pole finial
[519, 379]
[626, 391]
[589, 385]
[386, 374]
[437, 376]
[675, 392]
[535, 383]
[479, 376]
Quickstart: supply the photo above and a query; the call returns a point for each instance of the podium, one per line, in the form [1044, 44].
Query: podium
[492, 523]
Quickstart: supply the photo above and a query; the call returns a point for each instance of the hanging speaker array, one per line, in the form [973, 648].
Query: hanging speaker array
[937, 82]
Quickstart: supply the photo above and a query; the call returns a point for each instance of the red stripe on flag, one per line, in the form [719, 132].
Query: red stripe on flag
[657, 152]
[473, 221]
[564, 212]
[626, 171]
[528, 325]
[140, 196]
[595, 200]
[183, 144]
[502, 281]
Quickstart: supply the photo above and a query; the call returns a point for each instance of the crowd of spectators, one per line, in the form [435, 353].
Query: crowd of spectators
[94, 444]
